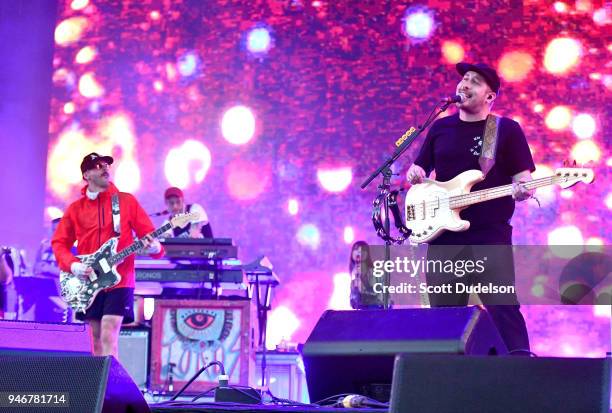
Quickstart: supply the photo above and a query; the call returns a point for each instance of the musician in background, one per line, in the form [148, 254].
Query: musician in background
[12, 265]
[89, 220]
[46, 264]
[453, 145]
[52, 308]
[175, 204]
[361, 269]
[6, 276]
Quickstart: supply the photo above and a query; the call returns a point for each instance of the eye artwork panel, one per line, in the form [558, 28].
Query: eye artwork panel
[189, 334]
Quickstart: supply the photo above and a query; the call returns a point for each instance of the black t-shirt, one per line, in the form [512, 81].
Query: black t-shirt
[453, 146]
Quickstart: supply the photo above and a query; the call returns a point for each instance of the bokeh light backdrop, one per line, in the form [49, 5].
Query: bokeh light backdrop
[271, 113]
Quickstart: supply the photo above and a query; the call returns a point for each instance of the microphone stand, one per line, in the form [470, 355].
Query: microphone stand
[384, 188]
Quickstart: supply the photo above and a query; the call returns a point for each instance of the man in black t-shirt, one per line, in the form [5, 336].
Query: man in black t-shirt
[453, 145]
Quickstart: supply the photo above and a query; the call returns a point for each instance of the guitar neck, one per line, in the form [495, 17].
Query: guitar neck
[137, 245]
[461, 201]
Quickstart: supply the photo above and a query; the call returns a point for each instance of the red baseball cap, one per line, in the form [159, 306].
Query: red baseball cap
[173, 191]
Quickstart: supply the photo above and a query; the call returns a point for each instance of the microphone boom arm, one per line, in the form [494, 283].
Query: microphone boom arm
[410, 137]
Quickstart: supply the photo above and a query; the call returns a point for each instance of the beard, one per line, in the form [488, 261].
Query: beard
[472, 106]
[101, 181]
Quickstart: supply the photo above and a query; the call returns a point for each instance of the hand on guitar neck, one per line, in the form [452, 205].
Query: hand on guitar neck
[519, 191]
[150, 245]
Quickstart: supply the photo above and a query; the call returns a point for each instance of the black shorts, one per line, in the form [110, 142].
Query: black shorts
[119, 301]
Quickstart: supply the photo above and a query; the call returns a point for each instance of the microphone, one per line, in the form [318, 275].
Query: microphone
[455, 99]
[158, 214]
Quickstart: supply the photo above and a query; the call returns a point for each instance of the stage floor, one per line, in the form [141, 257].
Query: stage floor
[218, 407]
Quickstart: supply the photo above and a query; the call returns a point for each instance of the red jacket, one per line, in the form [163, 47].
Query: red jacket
[90, 222]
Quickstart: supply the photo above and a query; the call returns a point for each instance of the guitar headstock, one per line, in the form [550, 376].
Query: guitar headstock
[567, 177]
[183, 219]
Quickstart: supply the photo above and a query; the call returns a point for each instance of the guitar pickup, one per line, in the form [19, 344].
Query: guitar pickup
[93, 276]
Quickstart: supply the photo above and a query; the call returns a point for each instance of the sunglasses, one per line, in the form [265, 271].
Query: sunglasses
[101, 165]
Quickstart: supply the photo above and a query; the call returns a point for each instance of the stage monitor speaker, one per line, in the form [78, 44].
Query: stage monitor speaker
[508, 384]
[25, 337]
[134, 354]
[89, 384]
[353, 351]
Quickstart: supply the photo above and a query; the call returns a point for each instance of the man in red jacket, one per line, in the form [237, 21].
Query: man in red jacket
[89, 220]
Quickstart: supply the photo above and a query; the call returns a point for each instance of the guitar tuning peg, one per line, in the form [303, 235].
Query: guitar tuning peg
[564, 163]
[574, 162]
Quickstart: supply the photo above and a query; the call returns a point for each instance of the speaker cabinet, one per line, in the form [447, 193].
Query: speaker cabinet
[353, 351]
[89, 384]
[508, 384]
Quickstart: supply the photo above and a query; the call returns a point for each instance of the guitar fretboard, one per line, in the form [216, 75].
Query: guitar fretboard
[460, 201]
[138, 245]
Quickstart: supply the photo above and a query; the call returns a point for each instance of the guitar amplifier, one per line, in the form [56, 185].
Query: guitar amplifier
[134, 354]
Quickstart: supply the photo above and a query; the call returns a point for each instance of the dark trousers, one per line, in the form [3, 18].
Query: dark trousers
[498, 270]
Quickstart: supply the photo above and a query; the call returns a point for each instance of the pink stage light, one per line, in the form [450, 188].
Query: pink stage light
[89, 86]
[516, 66]
[566, 242]
[560, 7]
[158, 85]
[418, 24]
[562, 55]
[340, 299]
[259, 40]
[584, 126]
[238, 125]
[69, 108]
[188, 64]
[79, 4]
[293, 207]
[559, 118]
[349, 235]
[602, 16]
[180, 159]
[452, 51]
[586, 151]
[70, 30]
[86, 55]
[308, 235]
[335, 180]
[608, 201]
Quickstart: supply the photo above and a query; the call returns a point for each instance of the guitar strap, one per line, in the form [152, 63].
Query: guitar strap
[116, 216]
[489, 144]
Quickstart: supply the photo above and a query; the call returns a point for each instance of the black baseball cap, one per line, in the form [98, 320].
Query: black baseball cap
[486, 71]
[90, 161]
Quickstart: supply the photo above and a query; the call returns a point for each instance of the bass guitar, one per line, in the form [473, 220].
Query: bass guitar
[433, 207]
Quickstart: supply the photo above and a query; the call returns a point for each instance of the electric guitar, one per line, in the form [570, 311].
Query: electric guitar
[80, 291]
[433, 207]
